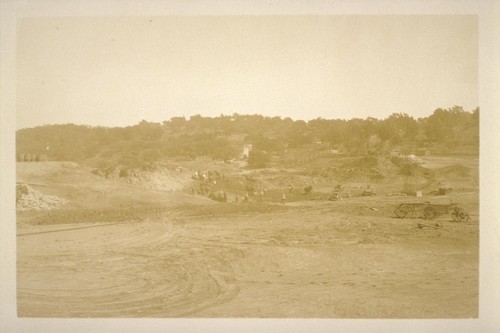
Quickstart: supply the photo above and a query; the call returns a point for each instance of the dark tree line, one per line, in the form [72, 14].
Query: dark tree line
[445, 131]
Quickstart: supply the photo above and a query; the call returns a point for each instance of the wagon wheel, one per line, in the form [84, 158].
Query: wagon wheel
[430, 213]
[464, 217]
[455, 214]
[401, 211]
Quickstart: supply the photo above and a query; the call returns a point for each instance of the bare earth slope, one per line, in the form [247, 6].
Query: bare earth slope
[172, 254]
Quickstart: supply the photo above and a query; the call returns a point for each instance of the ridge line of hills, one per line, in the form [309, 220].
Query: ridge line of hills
[451, 131]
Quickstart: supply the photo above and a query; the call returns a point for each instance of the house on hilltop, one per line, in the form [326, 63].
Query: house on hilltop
[247, 148]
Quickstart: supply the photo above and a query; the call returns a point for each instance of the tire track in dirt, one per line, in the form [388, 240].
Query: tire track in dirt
[65, 229]
[140, 269]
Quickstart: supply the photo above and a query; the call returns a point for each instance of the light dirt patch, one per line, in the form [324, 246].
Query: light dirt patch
[297, 263]
[28, 198]
[172, 254]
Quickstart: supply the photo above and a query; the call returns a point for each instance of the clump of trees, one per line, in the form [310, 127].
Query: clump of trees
[451, 130]
[258, 159]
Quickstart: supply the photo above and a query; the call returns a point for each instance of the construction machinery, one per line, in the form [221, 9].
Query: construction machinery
[431, 211]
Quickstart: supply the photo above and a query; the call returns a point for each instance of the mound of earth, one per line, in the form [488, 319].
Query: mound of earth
[28, 198]
[363, 162]
[163, 180]
[365, 168]
[382, 164]
[456, 170]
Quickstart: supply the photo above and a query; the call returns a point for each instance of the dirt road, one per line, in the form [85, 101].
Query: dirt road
[322, 259]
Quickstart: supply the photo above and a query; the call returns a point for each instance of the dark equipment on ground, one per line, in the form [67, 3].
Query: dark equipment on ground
[442, 191]
[368, 193]
[335, 196]
[431, 211]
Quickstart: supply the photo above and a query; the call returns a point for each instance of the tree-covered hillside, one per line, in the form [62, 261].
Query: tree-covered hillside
[446, 131]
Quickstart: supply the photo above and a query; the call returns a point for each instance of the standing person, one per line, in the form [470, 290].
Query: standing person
[246, 197]
[290, 188]
[283, 198]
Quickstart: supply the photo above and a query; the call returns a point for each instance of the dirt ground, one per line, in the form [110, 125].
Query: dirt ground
[185, 256]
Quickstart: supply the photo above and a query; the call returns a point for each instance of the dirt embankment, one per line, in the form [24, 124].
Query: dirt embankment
[153, 178]
[120, 250]
[28, 198]
[67, 185]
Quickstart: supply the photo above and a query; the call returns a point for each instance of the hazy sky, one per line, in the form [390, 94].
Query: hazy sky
[119, 71]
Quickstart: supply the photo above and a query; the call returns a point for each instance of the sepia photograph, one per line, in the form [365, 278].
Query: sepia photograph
[297, 165]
